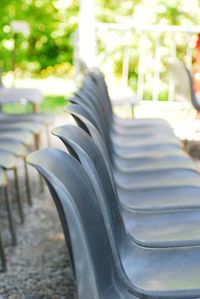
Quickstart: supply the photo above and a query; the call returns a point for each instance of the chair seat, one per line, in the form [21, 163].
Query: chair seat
[171, 162]
[7, 160]
[141, 122]
[39, 117]
[14, 95]
[139, 141]
[163, 229]
[138, 130]
[161, 199]
[172, 273]
[14, 147]
[158, 150]
[23, 136]
[33, 127]
[153, 163]
[156, 179]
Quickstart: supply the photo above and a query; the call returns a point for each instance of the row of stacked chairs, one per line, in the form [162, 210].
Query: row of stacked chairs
[18, 134]
[128, 197]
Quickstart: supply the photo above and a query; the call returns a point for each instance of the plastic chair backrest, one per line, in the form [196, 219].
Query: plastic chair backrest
[97, 93]
[94, 164]
[95, 266]
[183, 82]
[95, 104]
[84, 111]
[87, 126]
[194, 99]
[98, 79]
[180, 77]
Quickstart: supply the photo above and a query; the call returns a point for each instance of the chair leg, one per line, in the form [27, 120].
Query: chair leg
[133, 110]
[41, 184]
[48, 136]
[2, 254]
[37, 146]
[37, 141]
[10, 216]
[28, 189]
[19, 202]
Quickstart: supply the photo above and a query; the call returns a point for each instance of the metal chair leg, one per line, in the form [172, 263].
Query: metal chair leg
[133, 110]
[10, 216]
[37, 146]
[19, 202]
[48, 136]
[41, 184]
[2, 254]
[28, 189]
[37, 141]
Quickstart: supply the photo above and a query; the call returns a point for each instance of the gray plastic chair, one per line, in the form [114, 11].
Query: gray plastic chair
[35, 128]
[17, 149]
[93, 99]
[25, 133]
[140, 131]
[183, 83]
[125, 146]
[174, 229]
[107, 263]
[118, 124]
[9, 163]
[24, 136]
[39, 117]
[134, 136]
[161, 157]
[4, 185]
[17, 95]
[149, 199]
[36, 121]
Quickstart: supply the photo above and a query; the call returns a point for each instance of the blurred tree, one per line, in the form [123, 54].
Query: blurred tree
[51, 22]
[172, 12]
[140, 12]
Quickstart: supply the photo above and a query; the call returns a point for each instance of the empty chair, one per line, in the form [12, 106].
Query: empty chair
[18, 150]
[127, 146]
[163, 157]
[183, 83]
[17, 95]
[35, 129]
[174, 228]
[107, 264]
[116, 123]
[137, 136]
[3, 184]
[25, 95]
[153, 198]
[34, 123]
[9, 163]
[24, 136]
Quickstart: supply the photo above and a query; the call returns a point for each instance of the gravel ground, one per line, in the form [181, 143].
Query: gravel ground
[38, 267]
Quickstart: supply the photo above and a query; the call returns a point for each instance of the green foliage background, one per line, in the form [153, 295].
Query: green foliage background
[49, 47]
[50, 40]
